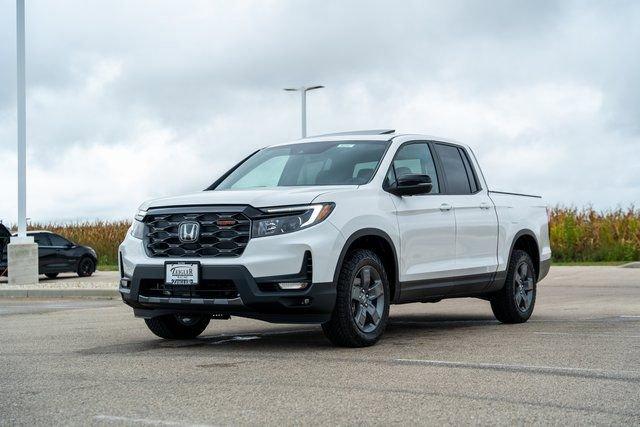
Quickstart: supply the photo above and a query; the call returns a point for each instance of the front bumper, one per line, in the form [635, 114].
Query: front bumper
[264, 259]
[311, 305]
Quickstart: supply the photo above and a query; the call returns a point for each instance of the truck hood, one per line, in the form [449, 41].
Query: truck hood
[256, 197]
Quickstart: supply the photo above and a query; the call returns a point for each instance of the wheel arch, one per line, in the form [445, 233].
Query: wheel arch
[381, 243]
[526, 240]
[87, 254]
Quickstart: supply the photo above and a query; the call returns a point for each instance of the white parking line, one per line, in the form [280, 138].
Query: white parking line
[555, 370]
[237, 338]
[143, 421]
[588, 334]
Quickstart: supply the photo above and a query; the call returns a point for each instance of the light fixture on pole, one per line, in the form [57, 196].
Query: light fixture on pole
[303, 92]
[22, 252]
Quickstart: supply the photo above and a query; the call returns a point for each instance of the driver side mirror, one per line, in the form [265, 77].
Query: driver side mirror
[411, 185]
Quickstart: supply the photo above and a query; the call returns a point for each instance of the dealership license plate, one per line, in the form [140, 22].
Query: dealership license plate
[182, 273]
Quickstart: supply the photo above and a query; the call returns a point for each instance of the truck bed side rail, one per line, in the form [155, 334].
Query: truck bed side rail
[515, 194]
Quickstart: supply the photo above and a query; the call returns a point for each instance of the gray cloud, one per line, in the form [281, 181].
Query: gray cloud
[546, 91]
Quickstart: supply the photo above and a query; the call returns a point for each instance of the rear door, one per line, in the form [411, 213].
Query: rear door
[476, 219]
[46, 253]
[426, 223]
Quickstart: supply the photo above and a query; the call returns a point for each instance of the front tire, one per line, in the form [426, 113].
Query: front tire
[515, 301]
[362, 303]
[177, 327]
[86, 267]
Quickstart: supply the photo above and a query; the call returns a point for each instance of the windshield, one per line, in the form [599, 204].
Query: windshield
[311, 163]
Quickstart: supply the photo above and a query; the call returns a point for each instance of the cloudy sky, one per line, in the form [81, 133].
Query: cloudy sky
[129, 100]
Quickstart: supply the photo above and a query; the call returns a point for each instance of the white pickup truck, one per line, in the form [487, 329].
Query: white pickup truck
[332, 230]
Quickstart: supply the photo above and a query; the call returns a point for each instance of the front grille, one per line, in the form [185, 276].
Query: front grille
[207, 289]
[162, 240]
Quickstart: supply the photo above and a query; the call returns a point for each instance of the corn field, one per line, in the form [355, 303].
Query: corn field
[577, 235]
[586, 235]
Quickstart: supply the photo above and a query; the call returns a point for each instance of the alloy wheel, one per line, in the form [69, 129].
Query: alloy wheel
[187, 320]
[523, 289]
[367, 299]
[85, 266]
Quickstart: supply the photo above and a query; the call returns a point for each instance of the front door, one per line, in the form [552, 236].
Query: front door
[65, 259]
[426, 223]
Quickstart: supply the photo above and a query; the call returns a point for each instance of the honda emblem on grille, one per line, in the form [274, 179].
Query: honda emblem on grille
[189, 231]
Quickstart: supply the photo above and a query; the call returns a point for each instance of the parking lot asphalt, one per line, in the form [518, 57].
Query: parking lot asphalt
[91, 362]
[98, 280]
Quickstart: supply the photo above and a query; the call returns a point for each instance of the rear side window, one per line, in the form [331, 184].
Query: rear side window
[467, 165]
[41, 239]
[455, 172]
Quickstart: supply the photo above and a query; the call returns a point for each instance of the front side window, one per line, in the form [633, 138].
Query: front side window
[308, 164]
[414, 159]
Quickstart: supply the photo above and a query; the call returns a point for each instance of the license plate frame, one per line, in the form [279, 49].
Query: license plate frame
[182, 273]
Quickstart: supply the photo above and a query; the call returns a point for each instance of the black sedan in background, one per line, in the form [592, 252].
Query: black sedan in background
[56, 254]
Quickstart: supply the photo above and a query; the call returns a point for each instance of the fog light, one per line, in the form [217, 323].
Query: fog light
[124, 283]
[289, 286]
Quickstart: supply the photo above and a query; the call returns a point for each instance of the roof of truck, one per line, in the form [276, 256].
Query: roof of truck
[367, 135]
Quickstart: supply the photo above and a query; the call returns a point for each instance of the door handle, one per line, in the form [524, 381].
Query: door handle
[484, 205]
[445, 207]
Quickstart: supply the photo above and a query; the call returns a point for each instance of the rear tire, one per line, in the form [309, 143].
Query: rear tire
[51, 275]
[175, 327]
[515, 301]
[86, 267]
[362, 303]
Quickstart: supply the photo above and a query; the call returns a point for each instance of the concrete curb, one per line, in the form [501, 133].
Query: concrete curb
[631, 265]
[58, 293]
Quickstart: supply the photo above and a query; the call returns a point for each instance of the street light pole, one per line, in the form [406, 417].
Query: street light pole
[303, 108]
[22, 115]
[22, 252]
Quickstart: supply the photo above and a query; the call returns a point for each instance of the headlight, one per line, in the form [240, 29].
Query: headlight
[137, 229]
[140, 214]
[294, 218]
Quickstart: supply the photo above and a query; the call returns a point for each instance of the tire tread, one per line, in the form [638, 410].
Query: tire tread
[167, 327]
[339, 329]
[502, 304]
